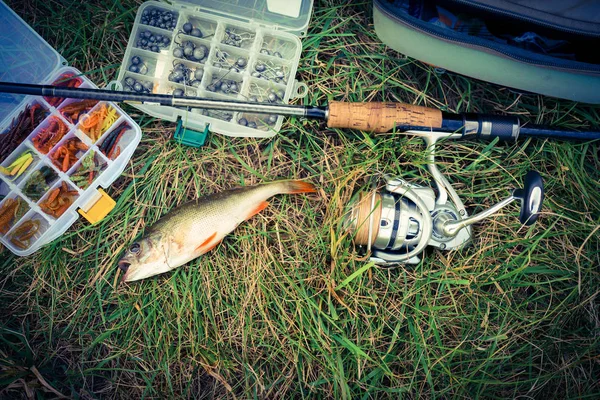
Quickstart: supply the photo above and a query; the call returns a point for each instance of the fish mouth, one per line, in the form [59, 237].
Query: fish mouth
[124, 266]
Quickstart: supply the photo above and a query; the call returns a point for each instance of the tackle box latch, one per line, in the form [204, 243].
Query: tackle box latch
[190, 137]
[97, 207]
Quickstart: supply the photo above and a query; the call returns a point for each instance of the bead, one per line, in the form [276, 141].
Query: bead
[281, 94]
[178, 52]
[187, 27]
[135, 60]
[234, 69]
[138, 87]
[253, 99]
[243, 121]
[155, 49]
[233, 87]
[199, 54]
[260, 67]
[265, 51]
[133, 68]
[277, 54]
[256, 74]
[198, 73]
[147, 34]
[211, 88]
[195, 83]
[196, 32]
[272, 97]
[129, 81]
[252, 124]
[166, 41]
[241, 62]
[272, 119]
[188, 51]
[148, 85]
[178, 92]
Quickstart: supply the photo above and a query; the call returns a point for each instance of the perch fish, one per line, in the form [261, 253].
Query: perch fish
[197, 227]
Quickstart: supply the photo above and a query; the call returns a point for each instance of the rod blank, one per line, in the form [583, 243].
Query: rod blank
[371, 116]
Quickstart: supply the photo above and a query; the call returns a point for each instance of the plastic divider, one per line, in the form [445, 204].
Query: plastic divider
[207, 27]
[35, 186]
[32, 215]
[246, 36]
[272, 45]
[23, 207]
[149, 7]
[23, 170]
[142, 37]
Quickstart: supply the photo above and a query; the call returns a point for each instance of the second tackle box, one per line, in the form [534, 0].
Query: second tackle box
[245, 50]
[56, 155]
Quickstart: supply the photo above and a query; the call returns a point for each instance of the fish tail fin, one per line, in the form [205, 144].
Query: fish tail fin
[294, 187]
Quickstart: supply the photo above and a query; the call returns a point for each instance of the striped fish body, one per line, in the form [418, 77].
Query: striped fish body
[197, 227]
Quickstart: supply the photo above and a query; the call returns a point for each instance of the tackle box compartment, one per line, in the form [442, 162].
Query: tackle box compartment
[37, 215]
[244, 50]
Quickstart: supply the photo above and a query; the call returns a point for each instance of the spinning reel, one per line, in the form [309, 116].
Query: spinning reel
[398, 223]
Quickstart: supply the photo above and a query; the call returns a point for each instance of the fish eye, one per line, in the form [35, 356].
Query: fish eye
[135, 248]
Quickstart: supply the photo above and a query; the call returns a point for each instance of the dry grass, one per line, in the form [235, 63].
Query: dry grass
[285, 307]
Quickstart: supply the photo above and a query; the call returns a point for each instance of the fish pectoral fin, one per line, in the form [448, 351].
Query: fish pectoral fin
[258, 209]
[208, 244]
[211, 246]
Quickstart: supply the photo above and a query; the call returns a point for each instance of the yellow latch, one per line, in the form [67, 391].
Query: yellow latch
[98, 207]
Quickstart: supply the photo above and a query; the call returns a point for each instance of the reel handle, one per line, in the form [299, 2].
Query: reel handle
[531, 196]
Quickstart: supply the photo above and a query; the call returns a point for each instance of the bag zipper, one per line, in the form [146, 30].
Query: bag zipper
[514, 15]
[482, 44]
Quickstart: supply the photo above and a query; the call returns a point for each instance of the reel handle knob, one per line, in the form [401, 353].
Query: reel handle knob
[531, 196]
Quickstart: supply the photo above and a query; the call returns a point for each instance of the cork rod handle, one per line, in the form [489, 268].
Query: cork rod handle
[381, 117]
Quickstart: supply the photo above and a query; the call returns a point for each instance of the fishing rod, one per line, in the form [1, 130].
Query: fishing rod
[372, 116]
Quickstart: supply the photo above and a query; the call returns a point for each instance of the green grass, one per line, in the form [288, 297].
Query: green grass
[285, 307]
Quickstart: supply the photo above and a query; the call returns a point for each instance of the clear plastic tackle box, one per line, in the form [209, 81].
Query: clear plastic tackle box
[232, 50]
[56, 155]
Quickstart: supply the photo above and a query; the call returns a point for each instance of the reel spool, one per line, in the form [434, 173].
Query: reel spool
[398, 223]
[390, 222]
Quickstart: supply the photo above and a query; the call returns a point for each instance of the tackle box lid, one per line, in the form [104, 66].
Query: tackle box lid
[287, 15]
[24, 57]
